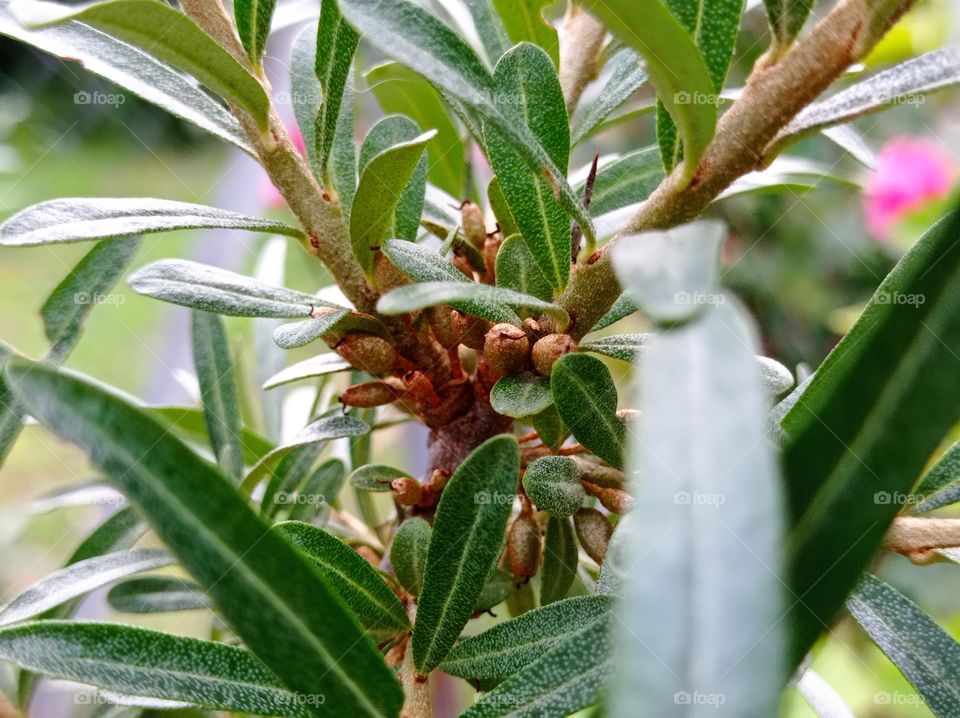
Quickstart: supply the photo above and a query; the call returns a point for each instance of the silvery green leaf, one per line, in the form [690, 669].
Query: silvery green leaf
[157, 594]
[560, 558]
[375, 477]
[517, 269]
[821, 696]
[336, 44]
[408, 553]
[624, 76]
[520, 395]
[553, 484]
[320, 365]
[625, 181]
[299, 334]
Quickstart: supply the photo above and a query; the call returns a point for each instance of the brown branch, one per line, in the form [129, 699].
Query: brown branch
[911, 534]
[416, 687]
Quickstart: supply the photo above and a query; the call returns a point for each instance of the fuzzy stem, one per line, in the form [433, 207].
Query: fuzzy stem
[579, 54]
[910, 534]
[416, 687]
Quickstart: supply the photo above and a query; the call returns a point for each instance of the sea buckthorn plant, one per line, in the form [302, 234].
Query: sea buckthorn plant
[669, 547]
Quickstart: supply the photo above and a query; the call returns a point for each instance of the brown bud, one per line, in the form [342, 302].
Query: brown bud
[474, 227]
[367, 352]
[470, 331]
[491, 247]
[386, 275]
[461, 262]
[616, 501]
[370, 555]
[506, 348]
[419, 388]
[406, 491]
[441, 323]
[523, 546]
[372, 393]
[550, 348]
[593, 531]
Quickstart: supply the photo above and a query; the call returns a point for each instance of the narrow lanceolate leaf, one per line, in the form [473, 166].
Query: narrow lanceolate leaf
[80, 578]
[710, 491]
[625, 75]
[253, 25]
[553, 484]
[626, 180]
[822, 698]
[517, 269]
[839, 454]
[336, 45]
[520, 395]
[467, 539]
[526, 76]
[165, 33]
[713, 26]
[271, 597]
[586, 399]
[319, 490]
[320, 365]
[493, 35]
[623, 307]
[571, 676]
[559, 560]
[139, 662]
[11, 413]
[343, 157]
[375, 477]
[510, 646]
[382, 183]
[389, 132]
[408, 553]
[940, 486]
[786, 19]
[349, 573]
[268, 357]
[524, 22]
[484, 301]
[218, 390]
[132, 69]
[675, 65]
[400, 90]
[901, 84]
[306, 93]
[211, 289]
[156, 594]
[927, 655]
[413, 36]
[77, 219]
[299, 334]
[190, 423]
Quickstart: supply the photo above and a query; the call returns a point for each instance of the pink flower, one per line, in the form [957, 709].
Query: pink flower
[911, 173]
[270, 194]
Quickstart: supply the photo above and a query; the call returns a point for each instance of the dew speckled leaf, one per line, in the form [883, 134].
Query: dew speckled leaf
[157, 594]
[626, 75]
[553, 484]
[408, 553]
[320, 365]
[626, 180]
[336, 45]
[560, 557]
[520, 395]
[517, 269]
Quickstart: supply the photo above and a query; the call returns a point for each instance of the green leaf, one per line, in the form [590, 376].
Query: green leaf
[289, 472]
[382, 183]
[319, 365]
[400, 90]
[298, 626]
[493, 35]
[335, 48]
[520, 395]
[786, 19]
[553, 484]
[567, 678]
[467, 539]
[375, 477]
[927, 655]
[140, 662]
[421, 264]
[499, 586]
[156, 594]
[526, 77]
[218, 391]
[626, 75]
[344, 153]
[358, 583]
[71, 302]
[306, 94]
[408, 553]
[586, 399]
[940, 485]
[11, 413]
[517, 269]
[553, 432]
[299, 334]
[511, 646]
[420, 41]
[623, 307]
[676, 68]
[211, 289]
[252, 18]
[626, 180]
[78, 219]
[80, 578]
[166, 33]
[501, 211]
[132, 69]
[269, 359]
[839, 453]
[560, 558]
[710, 491]
[524, 22]
[387, 133]
[319, 491]
[191, 423]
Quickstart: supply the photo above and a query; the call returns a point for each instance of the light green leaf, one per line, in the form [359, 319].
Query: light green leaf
[553, 484]
[78, 219]
[336, 46]
[218, 391]
[305, 91]
[400, 90]
[191, 423]
[493, 35]
[156, 594]
[299, 628]
[319, 365]
[560, 558]
[625, 76]
[467, 539]
[299, 334]
[408, 553]
[940, 485]
[80, 578]
[927, 655]
[132, 69]
[786, 19]
[511, 646]
[517, 269]
[211, 289]
[11, 413]
[840, 450]
[375, 477]
[344, 153]
[526, 77]
[252, 18]
[164, 32]
[520, 395]
[347, 572]
[524, 22]
[139, 662]
[675, 65]
[625, 180]
[382, 183]
[586, 399]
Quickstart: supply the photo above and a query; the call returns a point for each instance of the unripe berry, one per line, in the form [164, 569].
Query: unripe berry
[523, 546]
[550, 348]
[470, 331]
[474, 228]
[372, 393]
[367, 352]
[506, 349]
[594, 531]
